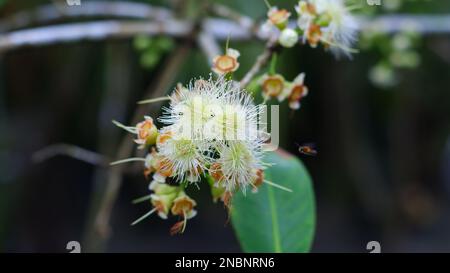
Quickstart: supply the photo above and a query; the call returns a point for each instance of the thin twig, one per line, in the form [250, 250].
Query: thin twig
[71, 151]
[262, 59]
[226, 12]
[209, 46]
[424, 24]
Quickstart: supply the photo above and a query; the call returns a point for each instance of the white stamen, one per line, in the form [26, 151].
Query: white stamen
[132, 159]
[142, 199]
[143, 217]
[154, 100]
[277, 186]
[129, 129]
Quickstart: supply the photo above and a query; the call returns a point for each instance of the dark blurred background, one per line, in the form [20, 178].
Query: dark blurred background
[382, 172]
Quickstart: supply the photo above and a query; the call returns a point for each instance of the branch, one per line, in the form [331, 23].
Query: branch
[424, 24]
[71, 151]
[262, 59]
[220, 29]
[226, 12]
[52, 12]
[209, 46]
[90, 31]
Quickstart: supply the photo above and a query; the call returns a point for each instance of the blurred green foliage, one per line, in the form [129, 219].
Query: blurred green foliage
[152, 49]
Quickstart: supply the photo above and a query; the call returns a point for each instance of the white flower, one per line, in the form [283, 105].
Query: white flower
[306, 13]
[187, 158]
[237, 164]
[213, 111]
[192, 107]
[340, 33]
[288, 37]
[234, 118]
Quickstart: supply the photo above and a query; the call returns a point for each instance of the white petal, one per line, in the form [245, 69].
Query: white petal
[233, 53]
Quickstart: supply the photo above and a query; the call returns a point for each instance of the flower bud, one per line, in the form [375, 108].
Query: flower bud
[278, 17]
[288, 37]
[146, 132]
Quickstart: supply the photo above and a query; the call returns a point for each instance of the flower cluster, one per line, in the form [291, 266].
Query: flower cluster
[210, 132]
[326, 22]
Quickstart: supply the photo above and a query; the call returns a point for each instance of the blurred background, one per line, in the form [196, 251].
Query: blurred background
[381, 122]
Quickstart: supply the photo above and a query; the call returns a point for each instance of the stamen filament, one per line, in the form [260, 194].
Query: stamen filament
[351, 50]
[132, 159]
[142, 199]
[184, 221]
[129, 129]
[277, 186]
[143, 217]
[154, 100]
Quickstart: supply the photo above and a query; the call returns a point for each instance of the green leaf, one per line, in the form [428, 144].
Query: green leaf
[273, 220]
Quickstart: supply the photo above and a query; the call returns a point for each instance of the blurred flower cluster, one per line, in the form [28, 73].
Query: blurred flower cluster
[398, 51]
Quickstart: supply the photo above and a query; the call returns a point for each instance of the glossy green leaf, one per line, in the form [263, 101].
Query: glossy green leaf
[273, 220]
